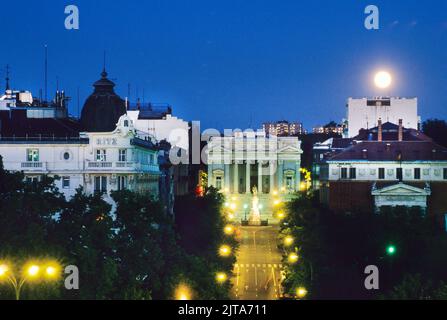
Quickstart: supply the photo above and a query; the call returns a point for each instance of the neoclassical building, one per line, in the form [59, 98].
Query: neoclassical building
[245, 160]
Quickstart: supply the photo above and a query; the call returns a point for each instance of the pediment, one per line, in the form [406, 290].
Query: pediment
[289, 149]
[401, 189]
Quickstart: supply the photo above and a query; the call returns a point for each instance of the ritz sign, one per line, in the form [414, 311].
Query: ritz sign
[106, 142]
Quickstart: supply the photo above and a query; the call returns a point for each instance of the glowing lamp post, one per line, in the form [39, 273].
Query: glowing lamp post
[293, 258]
[288, 241]
[221, 277]
[31, 272]
[301, 292]
[224, 251]
[183, 292]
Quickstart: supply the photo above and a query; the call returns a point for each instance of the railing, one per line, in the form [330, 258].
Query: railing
[121, 165]
[99, 164]
[125, 164]
[32, 164]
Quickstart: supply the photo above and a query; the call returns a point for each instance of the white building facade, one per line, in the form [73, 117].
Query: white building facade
[237, 164]
[162, 126]
[98, 162]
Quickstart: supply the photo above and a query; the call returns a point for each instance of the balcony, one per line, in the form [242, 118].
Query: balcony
[99, 164]
[128, 166]
[33, 166]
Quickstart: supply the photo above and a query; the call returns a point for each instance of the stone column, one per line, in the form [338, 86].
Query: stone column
[297, 176]
[280, 173]
[272, 168]
[210, 174]
[247, 177]
[260, 177]
[236, 178]
[227, 177]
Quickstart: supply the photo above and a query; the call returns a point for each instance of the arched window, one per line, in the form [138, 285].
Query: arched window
[126, 123]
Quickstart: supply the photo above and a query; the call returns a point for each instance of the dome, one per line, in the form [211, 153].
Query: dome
[103, 108]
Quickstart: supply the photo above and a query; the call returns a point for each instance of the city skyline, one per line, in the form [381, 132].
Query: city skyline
[231, 60]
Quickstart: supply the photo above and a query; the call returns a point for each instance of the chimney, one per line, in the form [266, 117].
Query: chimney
[379, 132]
[401, 131]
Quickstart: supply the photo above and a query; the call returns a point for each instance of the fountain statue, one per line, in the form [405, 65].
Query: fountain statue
[255, 216]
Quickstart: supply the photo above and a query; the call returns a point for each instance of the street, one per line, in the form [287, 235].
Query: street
[257, 273]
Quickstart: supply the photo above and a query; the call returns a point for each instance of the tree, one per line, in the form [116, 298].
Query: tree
[200, 223]
[437, 130]
[84, 234]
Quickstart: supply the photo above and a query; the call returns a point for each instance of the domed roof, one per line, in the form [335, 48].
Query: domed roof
[103, 107]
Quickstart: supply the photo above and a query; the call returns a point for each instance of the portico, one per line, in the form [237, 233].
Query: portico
[401, 195]
[243, 161]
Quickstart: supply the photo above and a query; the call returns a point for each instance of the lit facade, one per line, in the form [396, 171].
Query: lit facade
[238, 163]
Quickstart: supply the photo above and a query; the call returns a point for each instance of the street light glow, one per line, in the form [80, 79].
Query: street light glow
[224, 251]
[301, 292]
[288, 241]
[183, 292]
[383, 79]
[3, 270]
[221, 277]
[229, 230]
[293, 257]
[33, 270]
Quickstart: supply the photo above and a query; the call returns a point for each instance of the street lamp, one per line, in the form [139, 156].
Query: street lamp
[301, 292]
[221, 277]
[224, 250]
[292, 258]
[229, 230]
[183, 292]
[281, 215]
[288, 241]
[31, 271]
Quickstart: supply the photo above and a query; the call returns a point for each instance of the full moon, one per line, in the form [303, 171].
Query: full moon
[383, 79]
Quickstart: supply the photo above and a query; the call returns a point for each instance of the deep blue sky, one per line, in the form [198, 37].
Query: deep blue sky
[233, 63]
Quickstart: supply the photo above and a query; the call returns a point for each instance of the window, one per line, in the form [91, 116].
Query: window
[399, 174]
[122, 155]
[32, 179]
[122, 182]
[289, 183]
[218, 183]
[352, 173]
[66, 155]
[33, 155]
[101, 155]
[445, 173]
[344, 173]
[126, 123]
[381, 173]
[65, 182]
[100, 184]
[417, 173]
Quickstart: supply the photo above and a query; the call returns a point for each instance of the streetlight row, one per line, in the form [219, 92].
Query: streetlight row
[32, 271]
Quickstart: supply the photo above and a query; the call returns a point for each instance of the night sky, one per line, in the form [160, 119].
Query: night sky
[233, 63]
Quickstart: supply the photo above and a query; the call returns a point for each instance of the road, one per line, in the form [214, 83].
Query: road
[257, 273]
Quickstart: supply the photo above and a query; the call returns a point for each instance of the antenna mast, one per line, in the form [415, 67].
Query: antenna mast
[46, 73]
[7, 77]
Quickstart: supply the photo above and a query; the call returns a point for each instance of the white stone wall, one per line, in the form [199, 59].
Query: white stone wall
[141, 166]
[369, 171]
[172, 129]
